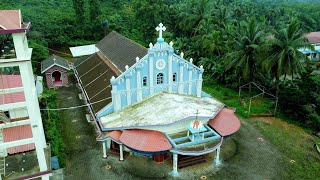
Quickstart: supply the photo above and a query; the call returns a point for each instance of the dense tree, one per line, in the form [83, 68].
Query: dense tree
[284, 57]
[246, 50]
[95, 9]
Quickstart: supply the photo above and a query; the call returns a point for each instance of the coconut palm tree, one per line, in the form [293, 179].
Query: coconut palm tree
[246, 50]
[199, 13]
[284, 57]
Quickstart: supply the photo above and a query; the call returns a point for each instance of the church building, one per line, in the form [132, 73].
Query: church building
[158, 109]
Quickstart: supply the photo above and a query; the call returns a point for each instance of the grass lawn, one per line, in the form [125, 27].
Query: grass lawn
[300, 159]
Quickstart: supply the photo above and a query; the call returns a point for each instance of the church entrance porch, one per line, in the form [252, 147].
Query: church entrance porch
[56, 78]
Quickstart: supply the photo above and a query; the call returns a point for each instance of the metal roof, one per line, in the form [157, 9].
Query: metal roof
[313, 37]
[226, 122]
[10, 19]
[12, 98]
[10, 81]
[145, 140]
[95, 78]
[121, 51]
[83, 50]
[52, 61]
[18, 133]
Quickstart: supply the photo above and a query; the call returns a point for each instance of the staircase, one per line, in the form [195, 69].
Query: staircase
[3, 154]
[185, 161]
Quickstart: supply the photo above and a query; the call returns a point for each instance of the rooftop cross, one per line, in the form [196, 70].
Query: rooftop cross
[160, 28]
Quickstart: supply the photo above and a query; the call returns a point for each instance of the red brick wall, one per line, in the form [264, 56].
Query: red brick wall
[64, 76]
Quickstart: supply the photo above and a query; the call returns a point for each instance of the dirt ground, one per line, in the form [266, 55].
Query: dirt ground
[246, 155]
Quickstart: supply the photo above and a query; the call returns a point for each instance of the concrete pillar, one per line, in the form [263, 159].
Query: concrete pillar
[170, 73]
[34, 113]
[104, 149]
[139, 90]
[20, 45]
[199, 82]
[151, 75]
[121, 152]
[181, 87]
[190, 82]
[217, 158]
[175, 172]
[128, 90]
[116, 98]
[108, 143]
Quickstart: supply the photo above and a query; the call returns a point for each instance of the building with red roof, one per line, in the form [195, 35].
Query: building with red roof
[158, 108]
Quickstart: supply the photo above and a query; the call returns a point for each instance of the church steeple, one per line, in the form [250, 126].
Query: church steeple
[160, 28]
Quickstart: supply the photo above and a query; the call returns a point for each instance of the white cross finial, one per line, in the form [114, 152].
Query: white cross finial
[127, 67]
[137, 59]
[160, 28]
[171, 43]
[181, 54]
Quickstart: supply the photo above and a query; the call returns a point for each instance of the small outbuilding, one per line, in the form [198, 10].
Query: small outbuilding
[56, 70]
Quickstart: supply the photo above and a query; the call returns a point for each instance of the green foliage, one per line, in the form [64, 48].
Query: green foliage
[48, 100]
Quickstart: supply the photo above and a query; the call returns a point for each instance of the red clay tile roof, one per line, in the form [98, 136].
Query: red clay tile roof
[145, 140]
[226, 122]
[10, 81]
[10, 19]
[313, 37]
[115, 135]
[18, 133]
[12, 98]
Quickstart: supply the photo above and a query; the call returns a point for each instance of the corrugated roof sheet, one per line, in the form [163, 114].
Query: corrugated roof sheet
[54, 60]
[120, 50]
[10, 19]
[115, 135]
[313, 37]
[145, 140]
[12, 98]
[10, 81]
[226, 122]
[95, 76]
[18, 133]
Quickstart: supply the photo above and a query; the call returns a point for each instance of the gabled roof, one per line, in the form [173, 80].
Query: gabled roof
[52, 61]
[10, 19]
[313, 37]
[95, 76]
[120, 50]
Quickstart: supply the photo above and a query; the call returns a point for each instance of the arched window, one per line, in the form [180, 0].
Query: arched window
[174, 77]
[144, 81]
[160, 78]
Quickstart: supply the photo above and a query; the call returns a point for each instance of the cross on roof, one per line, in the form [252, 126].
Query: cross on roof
[197, 114]
[160, 28]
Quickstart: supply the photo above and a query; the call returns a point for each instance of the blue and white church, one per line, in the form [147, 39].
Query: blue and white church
[159, 110]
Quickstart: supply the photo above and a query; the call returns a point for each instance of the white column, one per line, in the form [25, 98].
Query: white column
[128, 91]
[108, 143]
[175, 172]
[34, 113]
[121, 152]
[199, 85]
[116, 100]
[181, 87]
[139, 90]
[170, 73]
[190, 82]
[104, 149]
[217, 158]
[151, 75]
[19, 45]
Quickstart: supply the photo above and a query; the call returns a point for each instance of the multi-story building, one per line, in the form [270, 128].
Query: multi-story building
[21, 127]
